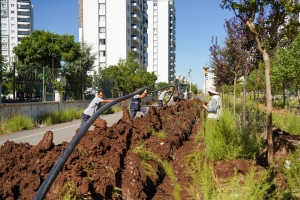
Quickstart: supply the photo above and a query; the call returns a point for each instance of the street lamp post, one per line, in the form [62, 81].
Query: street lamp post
[190, 82]
[205, 75]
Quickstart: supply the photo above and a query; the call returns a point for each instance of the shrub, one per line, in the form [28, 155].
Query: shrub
[16, 123]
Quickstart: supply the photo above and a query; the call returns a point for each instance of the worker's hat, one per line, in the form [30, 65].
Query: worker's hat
[212, 89]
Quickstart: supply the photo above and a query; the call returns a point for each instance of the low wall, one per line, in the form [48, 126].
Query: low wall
[35, 109]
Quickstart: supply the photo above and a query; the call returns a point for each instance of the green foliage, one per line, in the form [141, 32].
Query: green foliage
[162, 84]
[288, 122]
[201, 172]
[41, 47]
[251, 187]
[290, 167]
[56, 117]
[70, 191]
[16, 123]
[226, 140]
[169, 171]
[128, 75]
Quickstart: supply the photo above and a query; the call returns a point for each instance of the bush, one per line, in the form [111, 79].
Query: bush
[16, 123]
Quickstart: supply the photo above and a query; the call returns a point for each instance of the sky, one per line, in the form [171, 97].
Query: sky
[197, 21]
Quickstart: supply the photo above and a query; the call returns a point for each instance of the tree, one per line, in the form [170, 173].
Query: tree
[128, 75]
[242, 45]
[76, 71]
[38, 50]
[270, 24]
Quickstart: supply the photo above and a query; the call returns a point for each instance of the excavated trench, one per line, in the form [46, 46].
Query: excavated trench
[123, 161]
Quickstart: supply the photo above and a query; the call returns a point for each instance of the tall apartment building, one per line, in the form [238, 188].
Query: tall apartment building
[16, 22]
[162, 45]
[113, 28]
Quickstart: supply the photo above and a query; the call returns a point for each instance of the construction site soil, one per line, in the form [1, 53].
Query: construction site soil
[115, 162]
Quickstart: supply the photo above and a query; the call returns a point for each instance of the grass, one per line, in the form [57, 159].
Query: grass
[16, 123]
[288, 122]
[20, 122]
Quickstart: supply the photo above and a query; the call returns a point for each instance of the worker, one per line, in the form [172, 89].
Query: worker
[135, 104]
[214, 106]
[162, 97]
[93, 106]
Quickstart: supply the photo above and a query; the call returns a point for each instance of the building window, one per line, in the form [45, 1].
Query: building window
[12, 31]
[101, 6]
[102, 30]
[155, 42]
[154, 4]
[128, 31]
[12, 12]
[102, 18]
[155, 11]
[154, 61]
[12, 25]
[102, 53]
[155, 24]
[4, 39]
[128, 20]
[102, 64]
[4, 45]
[13, 44]
[4, 52]
[155, 55]
[13, 38]
[3, 5]
[12, 5]
[3, 32]
[155, 18]
[102, 41]
[127, 7]
[3, 25]
[128, 43]
[154, 29]
[155, 36]
[12, 18]
[155, 49]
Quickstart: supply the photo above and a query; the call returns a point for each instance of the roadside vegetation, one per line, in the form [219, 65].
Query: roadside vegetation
[23, 122]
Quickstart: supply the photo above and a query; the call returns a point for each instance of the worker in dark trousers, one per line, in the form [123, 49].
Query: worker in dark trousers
[135, 104]
[160, 101]
[92, 108]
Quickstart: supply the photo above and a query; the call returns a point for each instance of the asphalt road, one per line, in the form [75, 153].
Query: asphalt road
[62, 132]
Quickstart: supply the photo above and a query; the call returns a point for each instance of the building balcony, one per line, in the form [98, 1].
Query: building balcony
[145, 25]
[135, 49]
[145, 5]
[146, 54]
[136, 16]
[145, 15]
[136, 6]
[135, 38]
[145, 34]
[135, 27]
[145, 45]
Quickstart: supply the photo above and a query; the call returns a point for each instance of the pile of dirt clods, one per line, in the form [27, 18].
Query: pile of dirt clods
[122, 161]
[103, 165]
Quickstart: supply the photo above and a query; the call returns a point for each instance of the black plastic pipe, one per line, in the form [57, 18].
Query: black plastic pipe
[41, 193]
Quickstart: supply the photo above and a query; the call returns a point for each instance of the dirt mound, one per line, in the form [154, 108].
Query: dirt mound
[124, 159]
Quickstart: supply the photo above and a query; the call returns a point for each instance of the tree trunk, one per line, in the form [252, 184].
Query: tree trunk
[269, 109]
[234, 91]
[283, 94]
[244, 99]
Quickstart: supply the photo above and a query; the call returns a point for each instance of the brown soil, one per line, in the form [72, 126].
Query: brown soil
[104, 165]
